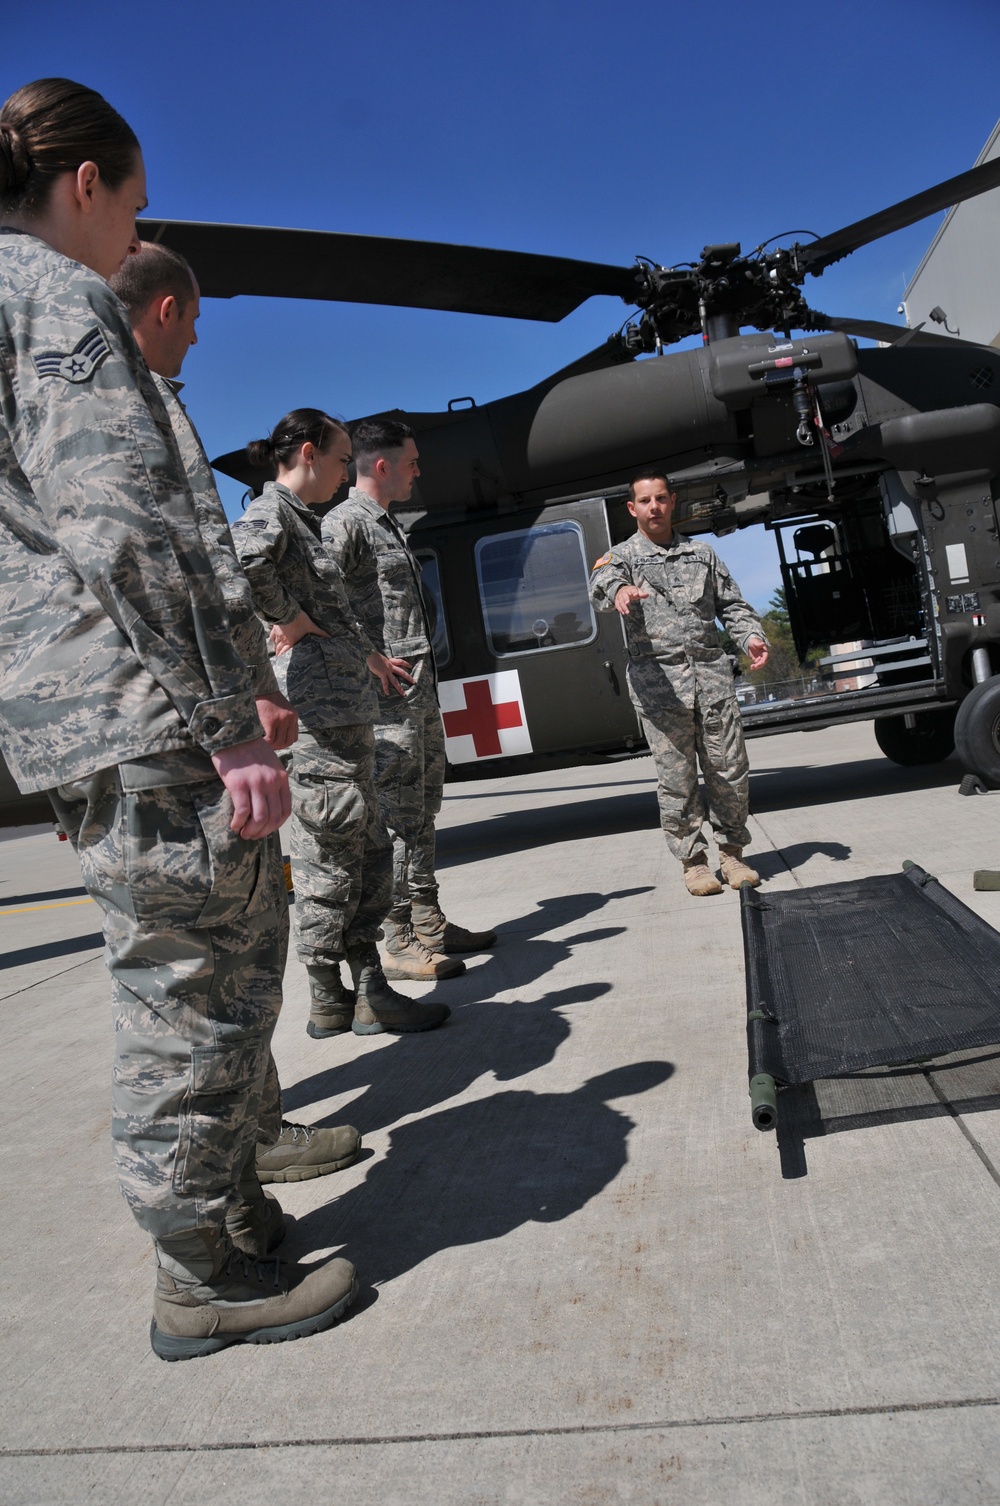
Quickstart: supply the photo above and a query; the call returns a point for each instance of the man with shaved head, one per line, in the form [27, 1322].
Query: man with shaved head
[160, 292]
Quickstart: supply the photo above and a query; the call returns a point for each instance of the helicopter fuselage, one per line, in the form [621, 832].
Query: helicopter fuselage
[895, 451]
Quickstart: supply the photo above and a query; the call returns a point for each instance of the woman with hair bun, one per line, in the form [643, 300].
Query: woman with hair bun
[121, 694]
[341, 851]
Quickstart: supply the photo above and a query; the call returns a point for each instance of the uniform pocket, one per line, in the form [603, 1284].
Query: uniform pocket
[212, 1120]
[724, 743]
[184, 867]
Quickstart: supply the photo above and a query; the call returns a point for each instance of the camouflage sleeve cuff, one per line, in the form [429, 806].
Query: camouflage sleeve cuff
[604, 590]
[264, 682]
[225, 723]
[288, 612]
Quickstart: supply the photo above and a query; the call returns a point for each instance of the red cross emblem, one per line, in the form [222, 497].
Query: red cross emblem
[483, 718]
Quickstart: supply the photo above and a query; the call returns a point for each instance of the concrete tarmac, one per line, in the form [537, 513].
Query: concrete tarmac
[586, 1277]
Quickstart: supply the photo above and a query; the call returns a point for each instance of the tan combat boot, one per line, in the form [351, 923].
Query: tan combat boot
[331, 1005]
[302, 1152]
[734, 870]
[209, 1296]
[698, 877]
[380, 1007]
[406, 957]
[441, 935]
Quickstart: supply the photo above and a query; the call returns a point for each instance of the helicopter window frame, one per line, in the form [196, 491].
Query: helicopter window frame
[435, 589]
[565, 526]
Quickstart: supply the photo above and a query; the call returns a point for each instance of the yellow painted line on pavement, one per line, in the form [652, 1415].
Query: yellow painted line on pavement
[61, 904]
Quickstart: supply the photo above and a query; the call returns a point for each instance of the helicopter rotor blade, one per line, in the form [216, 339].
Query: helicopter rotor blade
[830, 248]
[888, 334]
[230, 260]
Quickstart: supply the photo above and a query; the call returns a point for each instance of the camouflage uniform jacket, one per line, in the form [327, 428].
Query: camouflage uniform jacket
[280, 547]
[674, 649]
[248, 635]
[383, 582]
[114, 637]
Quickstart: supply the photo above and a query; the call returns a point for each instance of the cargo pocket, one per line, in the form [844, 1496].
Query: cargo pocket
[242, 877]
[213, 1115]
[167, 864]
[722, 736]
[184, 866]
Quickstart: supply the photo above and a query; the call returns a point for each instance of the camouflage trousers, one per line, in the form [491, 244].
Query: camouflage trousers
[196, 933]
[341, 853]
[682, 737]
[409, 776]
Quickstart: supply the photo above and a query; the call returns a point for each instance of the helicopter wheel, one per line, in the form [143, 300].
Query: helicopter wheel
[977, 731]
[930, 740]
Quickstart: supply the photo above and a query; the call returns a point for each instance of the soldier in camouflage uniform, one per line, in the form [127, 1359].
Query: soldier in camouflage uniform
[670, 590]
[341, 853]
[383, 584]
[161, 294]
[120, 689]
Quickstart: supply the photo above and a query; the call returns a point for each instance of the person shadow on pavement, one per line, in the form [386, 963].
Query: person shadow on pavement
[479, 1170]
[509, 1038]
[783, 860]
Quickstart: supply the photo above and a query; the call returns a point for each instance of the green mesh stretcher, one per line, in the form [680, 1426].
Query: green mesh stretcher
[875, 972]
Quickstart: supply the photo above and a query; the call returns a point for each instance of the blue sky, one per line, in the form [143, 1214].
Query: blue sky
[594, 130]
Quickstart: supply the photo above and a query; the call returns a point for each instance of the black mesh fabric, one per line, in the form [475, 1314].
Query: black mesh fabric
[864, 974]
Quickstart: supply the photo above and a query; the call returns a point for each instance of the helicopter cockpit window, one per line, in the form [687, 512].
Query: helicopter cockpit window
[533, 586]
[430, 580]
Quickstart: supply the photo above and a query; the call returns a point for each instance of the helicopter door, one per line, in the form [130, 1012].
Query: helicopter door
[539, 671]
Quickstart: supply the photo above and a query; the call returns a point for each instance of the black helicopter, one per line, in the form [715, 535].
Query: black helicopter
[877, 469]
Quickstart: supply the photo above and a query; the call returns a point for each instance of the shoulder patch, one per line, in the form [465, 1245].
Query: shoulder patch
[605, 559]
[78, 364]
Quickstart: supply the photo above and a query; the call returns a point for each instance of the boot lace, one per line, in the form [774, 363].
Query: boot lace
[243, 1267]
[296, 1132]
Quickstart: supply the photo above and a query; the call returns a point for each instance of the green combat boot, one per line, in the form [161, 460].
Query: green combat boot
[331, 1005]
[408, 958]
[441, 935]
[209, 1295]
[380, 1007]
[302, 1152]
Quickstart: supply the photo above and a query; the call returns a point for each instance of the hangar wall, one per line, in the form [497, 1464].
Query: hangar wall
[960, 271]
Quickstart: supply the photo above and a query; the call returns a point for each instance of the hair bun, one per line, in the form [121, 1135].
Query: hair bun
[15, 160]
[261, 453]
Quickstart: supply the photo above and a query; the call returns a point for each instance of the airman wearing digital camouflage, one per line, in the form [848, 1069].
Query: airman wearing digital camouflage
[122, 694]
[382, 578]
[669, 590]
[341, 852]
[161, 294]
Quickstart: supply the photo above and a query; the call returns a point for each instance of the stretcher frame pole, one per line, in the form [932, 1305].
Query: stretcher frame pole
[763, 1087]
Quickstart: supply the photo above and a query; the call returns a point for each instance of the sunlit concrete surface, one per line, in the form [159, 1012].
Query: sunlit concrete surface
[586, 1276]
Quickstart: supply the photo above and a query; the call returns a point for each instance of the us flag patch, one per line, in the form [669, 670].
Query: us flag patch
[605, 559]
[80, 363]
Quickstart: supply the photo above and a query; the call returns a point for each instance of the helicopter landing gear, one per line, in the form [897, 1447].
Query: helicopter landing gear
[929, 739]
[977, 731]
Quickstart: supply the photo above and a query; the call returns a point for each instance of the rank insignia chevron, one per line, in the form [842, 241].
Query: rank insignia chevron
[80, 363]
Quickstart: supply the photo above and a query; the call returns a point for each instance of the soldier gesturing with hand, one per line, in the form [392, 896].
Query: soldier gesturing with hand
[669, 590]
